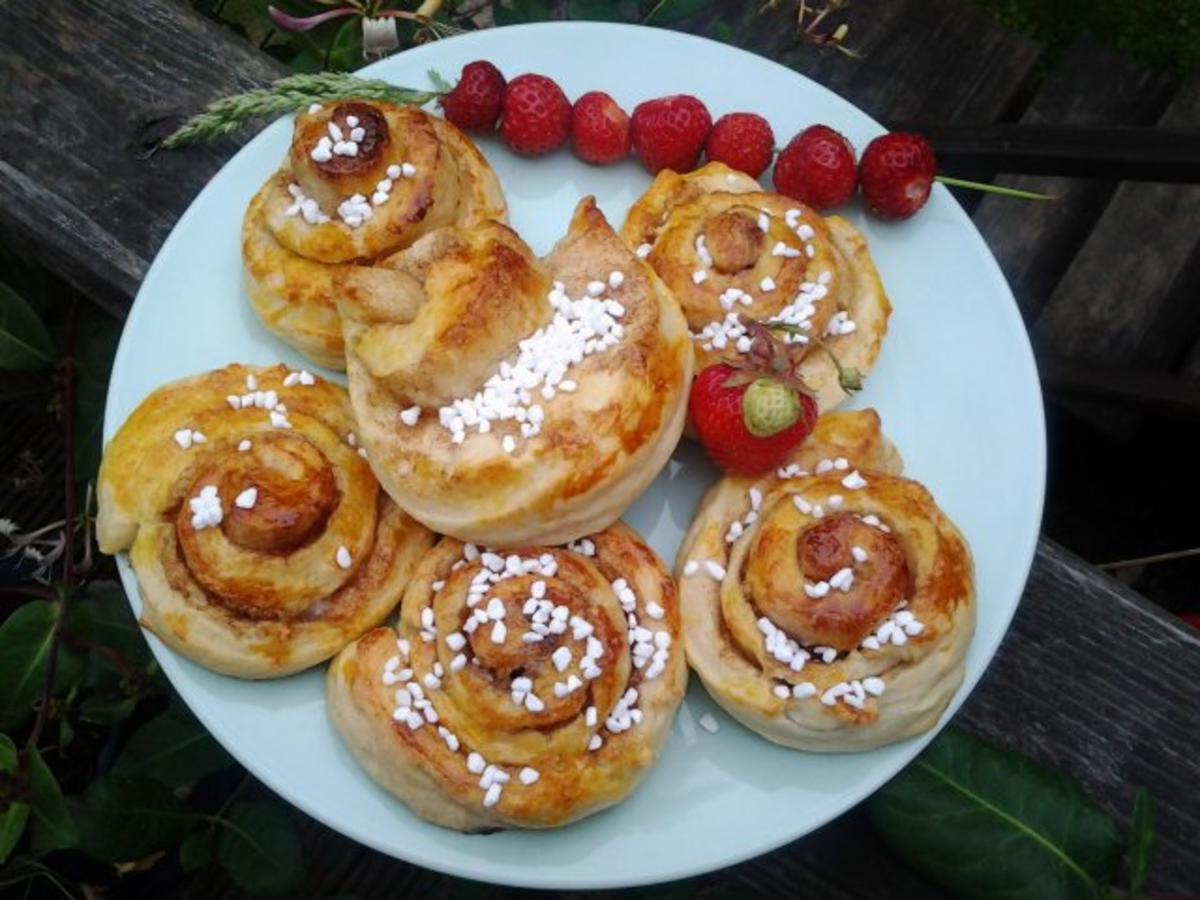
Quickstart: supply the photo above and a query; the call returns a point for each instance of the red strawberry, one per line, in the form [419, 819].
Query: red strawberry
[742, 141]
[817, 168]
[669, 133]
[897, 174]
[474, 103]
[748, 428]
[537, 116]
[599, 129]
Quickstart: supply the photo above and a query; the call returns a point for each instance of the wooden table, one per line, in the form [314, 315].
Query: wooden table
[1092, 678]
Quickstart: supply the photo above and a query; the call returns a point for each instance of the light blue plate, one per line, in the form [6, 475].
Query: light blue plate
[956, 387]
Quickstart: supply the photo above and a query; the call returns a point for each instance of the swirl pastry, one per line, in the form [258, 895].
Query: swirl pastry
[361, 180]
[261, 541]
[828, 606]
[728, 250]
[526, 690]
[509, 401]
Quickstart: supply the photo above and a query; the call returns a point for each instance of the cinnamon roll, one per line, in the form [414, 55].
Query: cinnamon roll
[728, 251]
[828, 606]
[509, 401]
[518, 690]
[361, 180]
[260, 538]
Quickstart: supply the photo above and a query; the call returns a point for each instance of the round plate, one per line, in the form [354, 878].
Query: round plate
[955, 385]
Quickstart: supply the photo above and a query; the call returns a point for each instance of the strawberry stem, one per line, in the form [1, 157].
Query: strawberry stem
[993, 188]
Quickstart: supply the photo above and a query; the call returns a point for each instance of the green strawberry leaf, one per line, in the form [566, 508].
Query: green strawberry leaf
[987, 823]
[25, 640]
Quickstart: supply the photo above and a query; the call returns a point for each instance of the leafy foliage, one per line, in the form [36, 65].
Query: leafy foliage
[260, 849]
[14, 813]
[123, 819]
[173, 749]
[24, 341]
[991, 824]
[53, 827]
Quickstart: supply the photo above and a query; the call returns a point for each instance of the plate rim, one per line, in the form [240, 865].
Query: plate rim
[529, 876]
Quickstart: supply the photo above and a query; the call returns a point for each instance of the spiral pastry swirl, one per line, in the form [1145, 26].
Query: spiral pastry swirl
[511, 401]
[361, 180]
[260, 538]
[728, 251]
[828, 606]
[524, 689]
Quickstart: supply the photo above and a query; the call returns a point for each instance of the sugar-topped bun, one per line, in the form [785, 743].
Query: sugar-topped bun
[524, 690]
[507, 400]
[260, 538]
[828, 606]
[726, 249]
[361, 180]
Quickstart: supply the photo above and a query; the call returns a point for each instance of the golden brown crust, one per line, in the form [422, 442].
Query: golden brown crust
[596, 448]
[726, 249]
[291, 263]
[581, 767]
[312, 555]
[899, 663]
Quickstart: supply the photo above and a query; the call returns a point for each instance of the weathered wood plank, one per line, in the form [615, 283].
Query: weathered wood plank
[1035, 242]
[1074, 151]
[1092, 678]
[918, 59]
[1143, 389]
[1129, 293]
[87, 86]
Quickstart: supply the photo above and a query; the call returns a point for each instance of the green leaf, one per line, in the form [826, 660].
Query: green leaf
[15, 813]
[667, 12]
[604, 10]
[53, 827]
[25, 639]
[345, 50]
[122, 819]
[98, 335]
[12, 826]
[172, 748]
[24, 341]
[260, 849]
[107, 710]
[114, 629]
[988, 823]
[8, 754]
[515, 12]
[250, 16]
[1141, 843]
[196, 851]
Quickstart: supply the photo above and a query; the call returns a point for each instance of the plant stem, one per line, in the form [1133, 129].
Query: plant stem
[67, 585]
[1148, 560]
[993, 188]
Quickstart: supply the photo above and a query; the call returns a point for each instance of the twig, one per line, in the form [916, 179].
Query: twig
[67, 587]
[1149, 560]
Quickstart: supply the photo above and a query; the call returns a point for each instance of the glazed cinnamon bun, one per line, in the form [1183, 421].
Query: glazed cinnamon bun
[728, 251]
[524, 689]
[260, 538]
[361, 180]
[506, 400]
[828, 606]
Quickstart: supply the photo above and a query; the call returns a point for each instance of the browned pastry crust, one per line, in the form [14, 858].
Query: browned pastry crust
[287, 577]
[725, 248]
[290, 262]
[895, 638]
[428, 328]
[581, 768]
